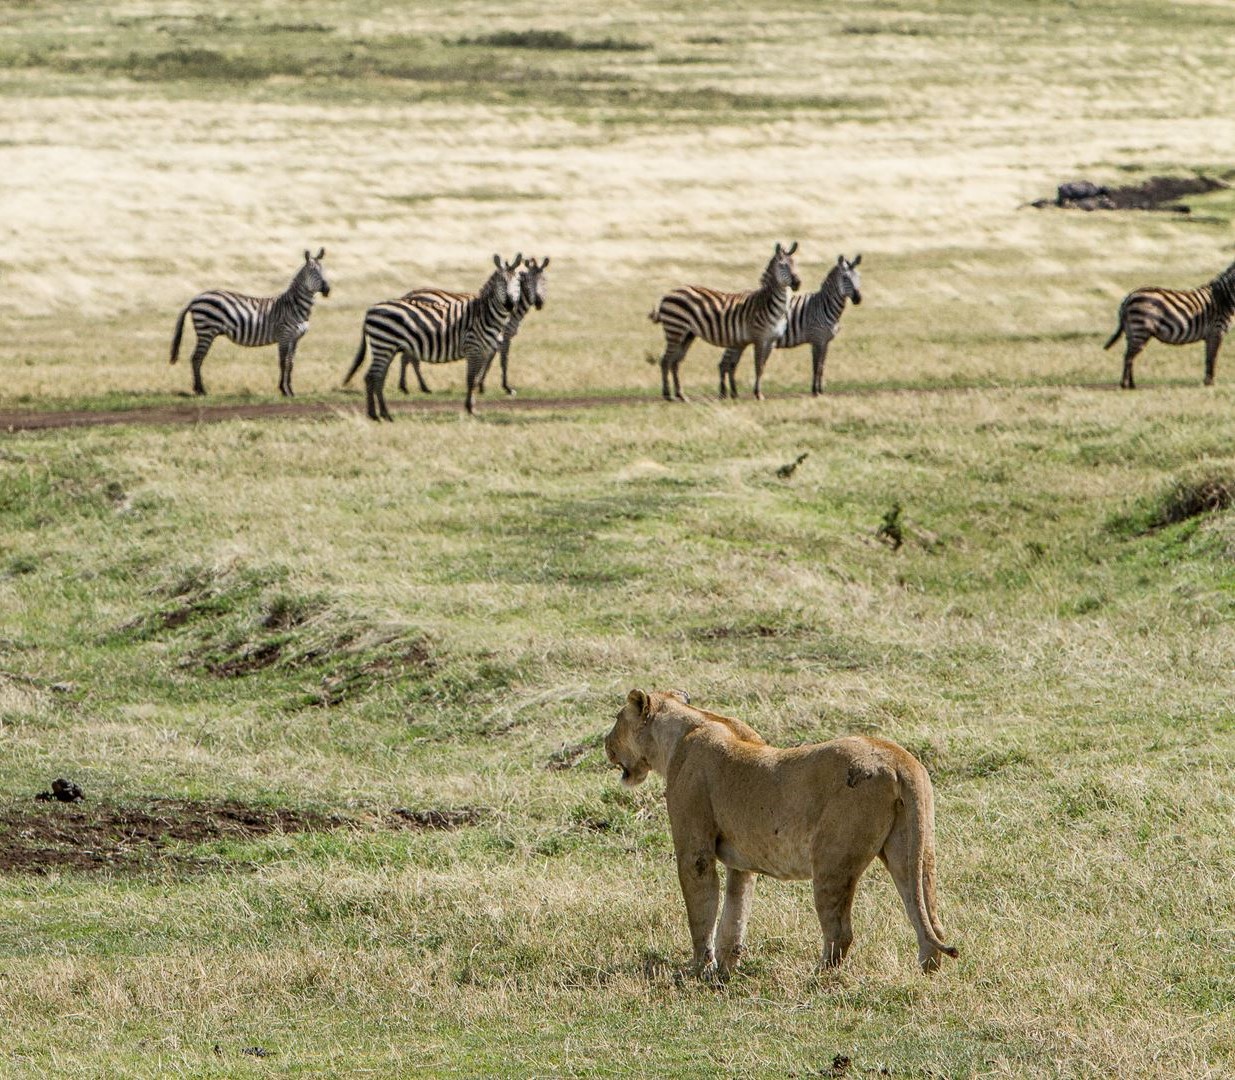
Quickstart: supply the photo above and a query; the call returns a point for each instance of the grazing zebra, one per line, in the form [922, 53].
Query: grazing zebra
[730, 320]
[1177, 317]
[814, 319]
[437, 333]
[255, 320]
[532, 289]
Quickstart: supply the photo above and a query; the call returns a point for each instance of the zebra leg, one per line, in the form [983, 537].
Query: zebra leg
[484, 374]
[476, 367]
[1212, 344]
[675, 349]
[205, 338]
[505, 358]
[375, 397]
[1131, 352]
[424, 386]
[819, 356]
[733, 367]
[677, 363]
[403, 373]
[762, 352]
[728, 362]
[287, 350]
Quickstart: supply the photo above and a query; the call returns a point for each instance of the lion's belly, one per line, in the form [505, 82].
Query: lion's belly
[779, 860]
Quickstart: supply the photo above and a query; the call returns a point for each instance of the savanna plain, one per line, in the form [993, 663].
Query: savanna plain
[335, 691]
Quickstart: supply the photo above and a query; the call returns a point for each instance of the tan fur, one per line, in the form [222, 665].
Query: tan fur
[822, 812]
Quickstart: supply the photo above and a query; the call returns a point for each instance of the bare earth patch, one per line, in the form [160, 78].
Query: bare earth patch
[45, 837]
[1156, 193]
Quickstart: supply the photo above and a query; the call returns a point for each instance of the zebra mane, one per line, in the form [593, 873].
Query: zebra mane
[768, 279]
[831, 280]
[1223, 287]
[494, 282]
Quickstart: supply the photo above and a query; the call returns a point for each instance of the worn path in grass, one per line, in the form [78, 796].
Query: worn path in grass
[15, 420]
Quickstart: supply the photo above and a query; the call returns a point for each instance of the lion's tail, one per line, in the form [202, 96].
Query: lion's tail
[919, 806]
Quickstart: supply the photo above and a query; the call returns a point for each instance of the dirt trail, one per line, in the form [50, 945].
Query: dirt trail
[14, 420]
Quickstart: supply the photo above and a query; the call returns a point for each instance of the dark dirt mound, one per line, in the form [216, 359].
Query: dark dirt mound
[1156, 193]
[437, 819]
[43, 837]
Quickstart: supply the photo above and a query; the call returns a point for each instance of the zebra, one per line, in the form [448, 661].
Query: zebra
[1177, 317]
[533, 287]
[255, 320]
[730, 320]
[437, 333]
[814, 319]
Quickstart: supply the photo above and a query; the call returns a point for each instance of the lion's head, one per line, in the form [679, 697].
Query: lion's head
[629, 743]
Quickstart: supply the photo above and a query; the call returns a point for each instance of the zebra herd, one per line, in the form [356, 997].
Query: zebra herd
[435, 326]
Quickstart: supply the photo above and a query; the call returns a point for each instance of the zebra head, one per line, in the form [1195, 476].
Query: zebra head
[533, 283]
[850, 283]
[503, 283]
[311, 277]
[781, 272]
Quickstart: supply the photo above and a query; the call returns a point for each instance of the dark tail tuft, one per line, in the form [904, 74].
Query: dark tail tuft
[177, 335]
[1115, 336]
[358, 361]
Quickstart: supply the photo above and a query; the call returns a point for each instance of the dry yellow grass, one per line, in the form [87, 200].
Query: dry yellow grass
[1062, 666]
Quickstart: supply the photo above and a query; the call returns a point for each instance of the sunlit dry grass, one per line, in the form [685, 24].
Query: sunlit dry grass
[448, 609]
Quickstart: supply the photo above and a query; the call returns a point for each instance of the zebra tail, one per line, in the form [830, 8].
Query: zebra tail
[1115, 336]
[358, 361]
[178, 334]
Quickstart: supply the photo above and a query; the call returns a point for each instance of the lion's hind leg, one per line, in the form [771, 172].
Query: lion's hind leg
[841, 853]
[731, 933]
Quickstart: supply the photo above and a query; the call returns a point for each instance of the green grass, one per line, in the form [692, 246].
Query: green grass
[336, 618]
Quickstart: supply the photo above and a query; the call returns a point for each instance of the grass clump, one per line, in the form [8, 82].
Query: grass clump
[1186, 498]
[1190, 498]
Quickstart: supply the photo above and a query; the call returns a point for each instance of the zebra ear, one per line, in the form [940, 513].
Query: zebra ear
[857, 259]
[545, 263]
[497, 261]
[307, 256]
[779, 249]
[517, 261]
[320, 254]
[792, 249]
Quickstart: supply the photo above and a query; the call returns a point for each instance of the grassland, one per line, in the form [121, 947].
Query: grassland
[328, 620]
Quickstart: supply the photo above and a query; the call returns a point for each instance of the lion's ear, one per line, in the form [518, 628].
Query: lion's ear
[639, 700]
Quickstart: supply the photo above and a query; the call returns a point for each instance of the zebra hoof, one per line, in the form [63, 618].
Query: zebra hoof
[511, 391]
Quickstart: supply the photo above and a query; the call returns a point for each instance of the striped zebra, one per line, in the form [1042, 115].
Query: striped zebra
[437, 333]
[533, 287]
[812, 319]
[255, 320]
[730, 320]
[1177, 317]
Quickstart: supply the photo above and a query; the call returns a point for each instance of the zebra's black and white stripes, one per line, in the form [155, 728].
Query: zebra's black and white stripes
[533, 289]
[812, 319]
[437, 333]
[255, 320]
[1177, 317]
[730, 320]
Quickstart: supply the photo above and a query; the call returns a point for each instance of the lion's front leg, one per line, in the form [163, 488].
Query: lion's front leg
[701, 890]
[731, 934]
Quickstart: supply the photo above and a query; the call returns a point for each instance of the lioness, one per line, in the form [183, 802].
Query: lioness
[821, 812]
